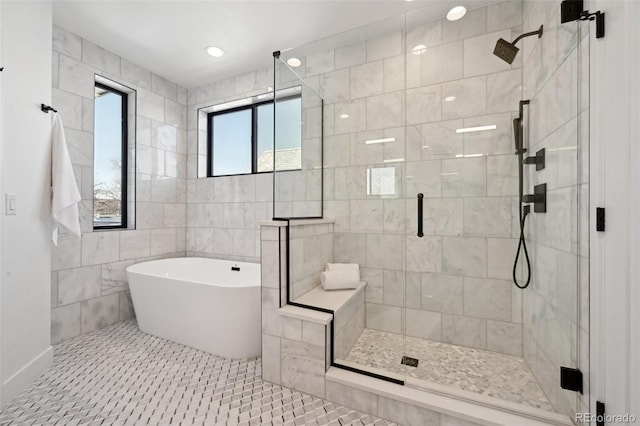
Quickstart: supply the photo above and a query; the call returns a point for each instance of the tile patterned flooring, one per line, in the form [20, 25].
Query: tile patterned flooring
[121, 376]
[489, 373]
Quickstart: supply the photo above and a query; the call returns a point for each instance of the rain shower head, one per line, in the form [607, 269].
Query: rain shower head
[507, 51]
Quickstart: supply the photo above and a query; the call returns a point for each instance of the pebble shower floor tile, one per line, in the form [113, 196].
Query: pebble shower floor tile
[121, 376]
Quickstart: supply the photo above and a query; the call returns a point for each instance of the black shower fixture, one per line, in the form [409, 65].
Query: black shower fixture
[539, 197]
[507, 51]
[573, 10]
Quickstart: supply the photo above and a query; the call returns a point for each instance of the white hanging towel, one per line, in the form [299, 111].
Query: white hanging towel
[64, 205]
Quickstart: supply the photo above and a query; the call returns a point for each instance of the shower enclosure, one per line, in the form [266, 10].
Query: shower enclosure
[409, 130]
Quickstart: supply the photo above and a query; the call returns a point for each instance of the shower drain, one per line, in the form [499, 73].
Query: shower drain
[411, 362]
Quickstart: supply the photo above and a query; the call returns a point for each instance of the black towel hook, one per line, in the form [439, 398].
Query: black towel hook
[47, 108]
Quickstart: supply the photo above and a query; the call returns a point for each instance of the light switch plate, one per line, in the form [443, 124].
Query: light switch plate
[10, 204]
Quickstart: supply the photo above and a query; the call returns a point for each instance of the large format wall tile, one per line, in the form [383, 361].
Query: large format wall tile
[92, 286]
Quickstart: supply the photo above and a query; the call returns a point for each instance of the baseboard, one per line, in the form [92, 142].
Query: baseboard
[27, 374]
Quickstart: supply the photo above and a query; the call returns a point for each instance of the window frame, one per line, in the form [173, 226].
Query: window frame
[124, 160]
[254, 135]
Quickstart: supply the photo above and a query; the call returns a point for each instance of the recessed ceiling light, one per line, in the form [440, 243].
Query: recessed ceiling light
[456, 13]
[294, 62]
[450, 99]
[419, 49]
[344, 116]
[214, 51]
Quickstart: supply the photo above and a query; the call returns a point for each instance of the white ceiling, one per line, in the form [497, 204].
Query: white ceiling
[169, 37]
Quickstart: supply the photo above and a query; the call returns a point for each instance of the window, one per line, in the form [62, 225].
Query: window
[240, 140]
[110, 158]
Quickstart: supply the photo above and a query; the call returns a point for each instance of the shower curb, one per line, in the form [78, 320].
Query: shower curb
[376, 396]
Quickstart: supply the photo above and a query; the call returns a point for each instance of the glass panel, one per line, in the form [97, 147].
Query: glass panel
[232, 143]
[265, 138]
[108, 143]
[288, 121]
[467, 323]
[421, 105]
[359, 76]
[298, 146]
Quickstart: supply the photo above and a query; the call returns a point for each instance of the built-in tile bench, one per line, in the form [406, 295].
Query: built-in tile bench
[348, 309]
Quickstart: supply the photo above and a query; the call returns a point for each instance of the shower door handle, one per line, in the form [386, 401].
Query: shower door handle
[420, 198]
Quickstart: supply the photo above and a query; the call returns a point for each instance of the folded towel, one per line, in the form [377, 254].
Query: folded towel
[64, 204]
[339, 280]
[354, 267]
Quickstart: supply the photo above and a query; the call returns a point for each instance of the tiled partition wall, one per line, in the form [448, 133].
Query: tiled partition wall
[458, 285]
[294, 351]
[89, 285]
[555, 306]
[223, 212]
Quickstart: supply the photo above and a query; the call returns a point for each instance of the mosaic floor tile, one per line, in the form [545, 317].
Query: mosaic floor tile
[121, 376]
[488, 373]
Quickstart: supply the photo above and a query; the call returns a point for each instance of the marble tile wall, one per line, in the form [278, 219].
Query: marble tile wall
[223, 212]
[555, 306]
[457, 279]
[89, 284]
[311, 248]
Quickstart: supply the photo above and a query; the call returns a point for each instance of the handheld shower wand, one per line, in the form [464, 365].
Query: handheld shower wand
[518, 136]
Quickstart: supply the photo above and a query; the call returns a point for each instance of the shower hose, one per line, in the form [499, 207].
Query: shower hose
[522, 245]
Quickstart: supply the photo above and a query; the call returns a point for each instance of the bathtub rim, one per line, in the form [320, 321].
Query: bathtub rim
[134, 269]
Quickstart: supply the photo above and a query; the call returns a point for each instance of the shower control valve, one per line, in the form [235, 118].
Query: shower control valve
[538, 160]
[538, 198]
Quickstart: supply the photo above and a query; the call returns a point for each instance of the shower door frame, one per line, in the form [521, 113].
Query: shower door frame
[614, 254]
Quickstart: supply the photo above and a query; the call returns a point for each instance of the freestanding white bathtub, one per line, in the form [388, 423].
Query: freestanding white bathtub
[201, 303]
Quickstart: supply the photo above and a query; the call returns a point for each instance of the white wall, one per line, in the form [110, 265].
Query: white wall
[1, 218]
[25, 264]
[615, 270]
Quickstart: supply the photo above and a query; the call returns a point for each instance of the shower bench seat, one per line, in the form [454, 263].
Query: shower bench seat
[333, 300]
[347, 309]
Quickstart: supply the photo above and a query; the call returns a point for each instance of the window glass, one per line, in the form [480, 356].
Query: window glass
[109, 181]
[235, 136]
[232, 143]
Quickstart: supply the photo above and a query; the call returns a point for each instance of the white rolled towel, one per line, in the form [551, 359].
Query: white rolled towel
[354, 267]
[339, 280]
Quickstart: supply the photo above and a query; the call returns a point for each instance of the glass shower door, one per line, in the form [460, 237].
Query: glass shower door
[468, 328]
